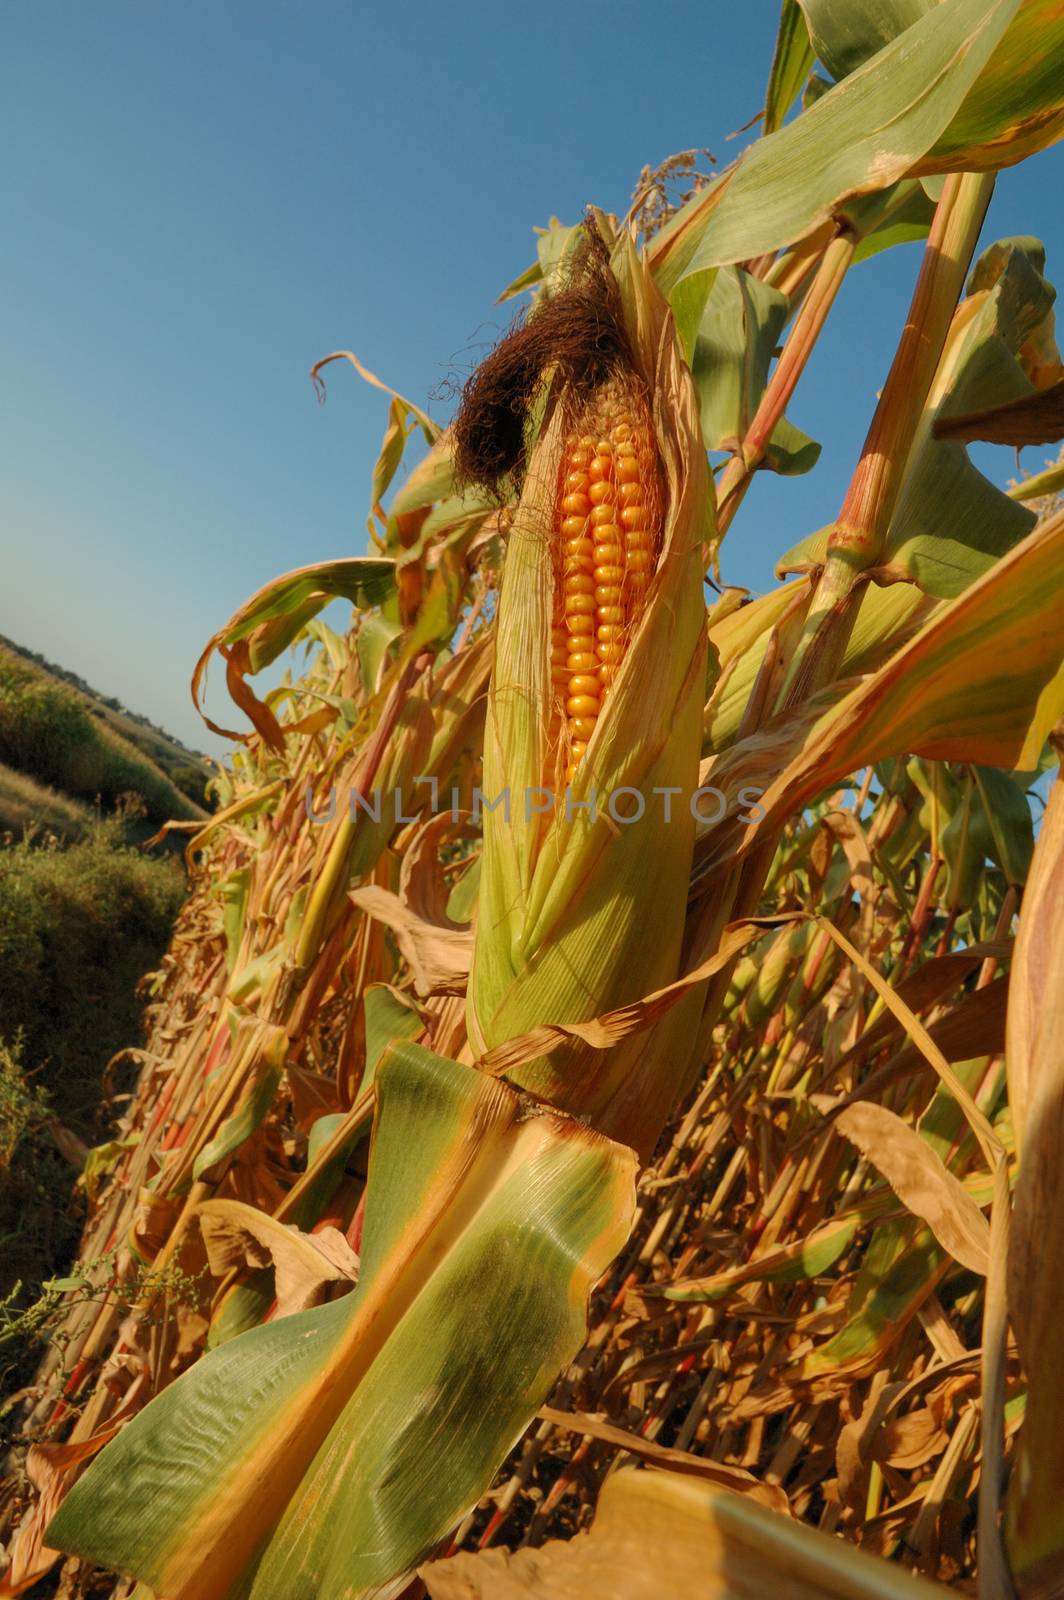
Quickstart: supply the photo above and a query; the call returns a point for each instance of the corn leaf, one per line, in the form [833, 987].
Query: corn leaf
[844, 36]
[274, 617]
[945, 695]
[861, 136]
[733, 350]
[1036, 418]
[920, 1180]
[1016, 106]
[487, 1223]
[792, 61]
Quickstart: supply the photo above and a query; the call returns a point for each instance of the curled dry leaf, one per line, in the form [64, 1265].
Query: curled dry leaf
[306, 1265]
[920, 1181]
[51, 1469]
[439, 957]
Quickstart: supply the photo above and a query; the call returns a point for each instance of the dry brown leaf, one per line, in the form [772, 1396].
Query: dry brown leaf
[422, 884]
[734, 1478]
[920, 1181]
[929, 983]
[439, 957]
[988, 1140]
[306, 1265]
[910, 1441]
[853, 1448]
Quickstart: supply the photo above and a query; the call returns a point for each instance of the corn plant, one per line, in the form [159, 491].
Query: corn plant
[468, 954]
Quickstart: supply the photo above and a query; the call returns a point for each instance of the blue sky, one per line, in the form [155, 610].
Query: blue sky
[201, 199]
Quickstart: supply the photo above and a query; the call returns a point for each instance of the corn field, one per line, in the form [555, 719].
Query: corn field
[598, 1132]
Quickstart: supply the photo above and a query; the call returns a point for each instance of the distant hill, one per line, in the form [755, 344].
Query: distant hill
[64, 748]
[163, 747]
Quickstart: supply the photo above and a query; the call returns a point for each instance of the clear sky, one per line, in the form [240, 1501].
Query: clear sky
[199, 199]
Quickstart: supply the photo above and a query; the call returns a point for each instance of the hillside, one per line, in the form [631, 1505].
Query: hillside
[85, 910]
[65, 750]
[163, 748]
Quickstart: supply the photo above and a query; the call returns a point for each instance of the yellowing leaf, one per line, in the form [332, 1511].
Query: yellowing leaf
[1035, 1054]
[292, 1460]
[982, 681]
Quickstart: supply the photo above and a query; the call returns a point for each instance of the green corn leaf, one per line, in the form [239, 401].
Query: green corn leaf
[863, 135]
[258, 1060]
[1008, 821]
[901, 1267]
[290, 1464]
[792, 61]
[737, 336]
[793, 1262]
[556, 242]
[264, 624]
[844, 35]
[431, 480]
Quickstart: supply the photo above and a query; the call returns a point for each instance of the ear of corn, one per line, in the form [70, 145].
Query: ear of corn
[578, 912]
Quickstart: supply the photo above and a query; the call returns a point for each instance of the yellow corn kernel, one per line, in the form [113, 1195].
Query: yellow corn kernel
[609, 516]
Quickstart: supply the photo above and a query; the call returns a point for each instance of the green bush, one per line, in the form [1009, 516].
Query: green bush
[78, 927]
[192, 781]
[38, 1217]
[30, 808]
